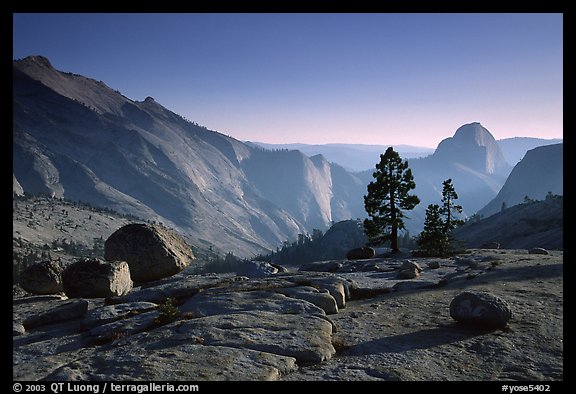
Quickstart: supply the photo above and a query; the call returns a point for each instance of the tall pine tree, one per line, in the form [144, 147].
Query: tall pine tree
[433, 238]
[388, 196]
[448, 208]
[436, 238]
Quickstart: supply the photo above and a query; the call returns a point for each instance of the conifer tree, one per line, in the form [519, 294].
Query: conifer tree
[436, 239]
[388, 196]
[448, 208]
[433, 238]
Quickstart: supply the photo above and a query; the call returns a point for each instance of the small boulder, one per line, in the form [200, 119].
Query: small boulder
[538, 251]
[361, 253]
[95, 278]
[490, 245]
[256, 269]
[281, 269]
[152, 252]
[44, 277]
[433, 265]
[410, 265]
[409, 270]
[480, 308]
[17, 329]
[409, 273]
[322, 299]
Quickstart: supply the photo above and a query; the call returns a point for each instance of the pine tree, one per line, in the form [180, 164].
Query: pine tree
[448, 208]
[387, 197]
[433, 240]
[436, 238]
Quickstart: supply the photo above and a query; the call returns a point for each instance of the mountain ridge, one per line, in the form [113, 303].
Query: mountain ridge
[515, 148]
[361, 157]
[77, 138]
[540, 172]
[139, 157]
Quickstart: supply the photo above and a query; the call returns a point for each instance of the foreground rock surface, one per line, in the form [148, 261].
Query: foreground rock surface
[307, 338]
[152, 252]
[279, 327]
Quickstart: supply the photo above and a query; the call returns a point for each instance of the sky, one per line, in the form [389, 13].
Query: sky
[321, 78]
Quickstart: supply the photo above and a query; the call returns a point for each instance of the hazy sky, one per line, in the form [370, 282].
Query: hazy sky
[320, 78]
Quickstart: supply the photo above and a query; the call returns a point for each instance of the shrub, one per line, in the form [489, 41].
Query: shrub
[169, 312]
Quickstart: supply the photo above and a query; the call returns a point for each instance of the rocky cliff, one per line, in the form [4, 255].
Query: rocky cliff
[540, 172]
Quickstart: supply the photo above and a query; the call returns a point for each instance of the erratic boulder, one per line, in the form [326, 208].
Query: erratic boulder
[410, 265]
[94, 278]
[480, 308]
[434, 264]
[409, 270]
[152, 252]
[361, 253]
[44, 277]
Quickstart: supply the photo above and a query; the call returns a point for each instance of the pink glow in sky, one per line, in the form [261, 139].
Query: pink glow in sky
[322, 78]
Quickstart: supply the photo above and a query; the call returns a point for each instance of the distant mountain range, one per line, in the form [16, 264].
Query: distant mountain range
[353, 157]
[359, 157]
[77, 138]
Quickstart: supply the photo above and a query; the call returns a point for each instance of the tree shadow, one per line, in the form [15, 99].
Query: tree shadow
[422, 339]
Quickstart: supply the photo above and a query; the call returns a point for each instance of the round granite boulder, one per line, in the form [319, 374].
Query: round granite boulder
[152, 252]
[480, 308]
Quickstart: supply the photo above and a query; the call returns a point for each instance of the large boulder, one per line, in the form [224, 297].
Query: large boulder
[480, 308]
[44, 277]
[94, 278]
[152, 252]
[361, 254]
